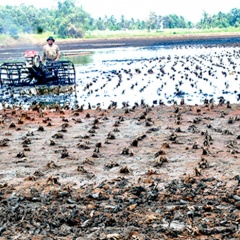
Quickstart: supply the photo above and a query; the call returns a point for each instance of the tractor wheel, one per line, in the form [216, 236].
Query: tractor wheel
[15, 74]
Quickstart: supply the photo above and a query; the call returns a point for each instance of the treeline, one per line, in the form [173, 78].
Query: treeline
[220, 20]
[68, 20]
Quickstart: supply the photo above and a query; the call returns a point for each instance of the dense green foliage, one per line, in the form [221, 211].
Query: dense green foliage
[68, 20]
[220, 20]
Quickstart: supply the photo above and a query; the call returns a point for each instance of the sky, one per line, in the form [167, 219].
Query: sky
[191, 10]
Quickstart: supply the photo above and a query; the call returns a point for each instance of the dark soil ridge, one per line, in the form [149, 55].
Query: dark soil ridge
[86, 44]
[155, 41]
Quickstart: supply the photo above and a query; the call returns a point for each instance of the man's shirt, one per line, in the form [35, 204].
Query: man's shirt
[50, 52]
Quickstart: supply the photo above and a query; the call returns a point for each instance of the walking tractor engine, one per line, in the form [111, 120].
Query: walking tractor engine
[34, 72]
[32, 59]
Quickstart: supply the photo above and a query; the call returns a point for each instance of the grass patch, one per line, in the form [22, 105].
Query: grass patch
[6, 40]
[158, 33]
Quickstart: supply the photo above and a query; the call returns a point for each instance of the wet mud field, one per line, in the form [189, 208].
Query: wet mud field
[131, 70]
[139, 171]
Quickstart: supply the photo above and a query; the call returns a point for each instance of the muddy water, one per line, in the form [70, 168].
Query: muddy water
[151, 74]
[154, 74]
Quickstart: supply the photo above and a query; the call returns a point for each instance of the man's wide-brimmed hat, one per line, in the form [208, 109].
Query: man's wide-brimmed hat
[51, 38]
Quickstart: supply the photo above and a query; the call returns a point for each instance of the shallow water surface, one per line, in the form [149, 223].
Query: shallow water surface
[159, 74]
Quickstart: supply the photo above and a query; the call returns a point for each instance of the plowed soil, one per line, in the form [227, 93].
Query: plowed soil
[149, 172]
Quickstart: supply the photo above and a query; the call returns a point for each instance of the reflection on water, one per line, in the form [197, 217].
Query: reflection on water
[97, 56]
[80, 60]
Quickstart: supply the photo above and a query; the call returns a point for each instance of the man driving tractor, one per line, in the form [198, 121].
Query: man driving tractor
[33, 71]
[51, 51]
